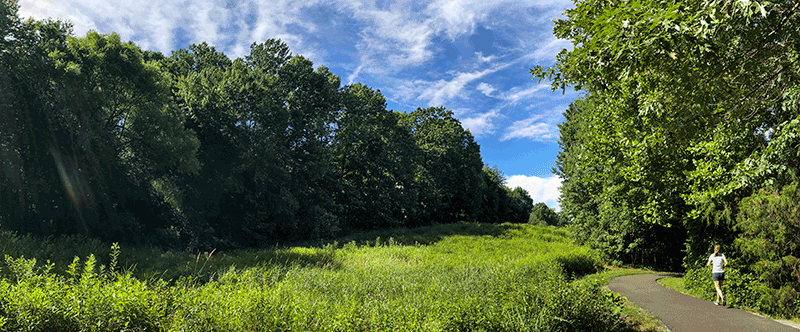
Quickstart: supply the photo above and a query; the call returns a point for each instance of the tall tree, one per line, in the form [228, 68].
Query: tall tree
[375, 160]
[265, 122]
[89, 131]
[693, 95]
[449, 174]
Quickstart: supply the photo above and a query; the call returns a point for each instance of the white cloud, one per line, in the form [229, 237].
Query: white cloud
[59, 9]
[540, 189]
[486, 89]
[519, 93]
[459, 17]
[482, 124]
[352, 77]
[482, 58]
[533, 128]
[206, 26]
[153, 25]
[548, 51]
[393, 39]
[390, 38]
[436, 93]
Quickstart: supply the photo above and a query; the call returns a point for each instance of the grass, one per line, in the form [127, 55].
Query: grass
[676, 284]
[459, 277]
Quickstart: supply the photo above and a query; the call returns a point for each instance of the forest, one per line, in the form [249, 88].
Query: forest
[195, 151]
[687, 135]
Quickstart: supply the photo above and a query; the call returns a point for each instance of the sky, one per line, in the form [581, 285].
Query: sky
[470, 56]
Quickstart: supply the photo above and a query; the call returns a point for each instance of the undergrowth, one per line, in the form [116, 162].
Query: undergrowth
[468, 278]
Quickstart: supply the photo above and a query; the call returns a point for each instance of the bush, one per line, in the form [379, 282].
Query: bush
[769, 222]
[577, 264]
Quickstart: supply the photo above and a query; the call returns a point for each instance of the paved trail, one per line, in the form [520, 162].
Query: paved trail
[683, 313]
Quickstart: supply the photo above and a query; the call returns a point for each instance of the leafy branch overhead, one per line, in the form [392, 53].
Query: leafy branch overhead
[690, 107]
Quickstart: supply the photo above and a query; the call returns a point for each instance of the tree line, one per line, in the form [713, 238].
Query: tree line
[101, 138]
[687, 135]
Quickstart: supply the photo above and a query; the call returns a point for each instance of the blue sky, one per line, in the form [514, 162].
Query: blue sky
[470, 56]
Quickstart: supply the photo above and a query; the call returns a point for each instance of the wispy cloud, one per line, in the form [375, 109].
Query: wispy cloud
[520, 93]
[458, 17]
[352, 77]
[156, 25]
[540, 189]
[546, 51]
[436, 93]
[533, 128]
[482, 58]
[395, 38]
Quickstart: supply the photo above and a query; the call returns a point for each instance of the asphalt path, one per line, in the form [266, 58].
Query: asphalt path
[684, 313]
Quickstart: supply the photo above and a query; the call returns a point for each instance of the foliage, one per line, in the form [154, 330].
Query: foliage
[541, 214]
[770, 242]
[690, 106]
[509, 281]
[376, 161]
[199, 151]
[502, 204]
[264, 124]
[601, 204]
[449, 171]
[763, 276]
[87, 128]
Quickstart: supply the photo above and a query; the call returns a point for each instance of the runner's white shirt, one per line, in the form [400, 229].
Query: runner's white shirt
[716, 263]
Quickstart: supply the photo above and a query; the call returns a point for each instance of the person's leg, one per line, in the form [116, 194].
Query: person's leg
[721, 296]
[719, 290]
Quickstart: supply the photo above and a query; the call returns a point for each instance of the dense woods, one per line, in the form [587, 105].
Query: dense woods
[196, 150]
[688, 134]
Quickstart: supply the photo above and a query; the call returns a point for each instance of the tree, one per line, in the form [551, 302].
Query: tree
[692, 94]
[521, 204]
[495, 205]
[265, 124]
[449, 171]
[88, 130]
[770, 245]
[541, 214]
[375, 160]
[606, 200]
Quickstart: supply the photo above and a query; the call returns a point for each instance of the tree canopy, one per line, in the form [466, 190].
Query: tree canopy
[689, 107]
[197, 150]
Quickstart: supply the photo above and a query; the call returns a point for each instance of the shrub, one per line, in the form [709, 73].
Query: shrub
[769, 222]
[576, 264]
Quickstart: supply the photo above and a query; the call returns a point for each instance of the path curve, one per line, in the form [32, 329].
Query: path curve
[683, 313]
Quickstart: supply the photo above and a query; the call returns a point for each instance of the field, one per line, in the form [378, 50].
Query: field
[460, 277]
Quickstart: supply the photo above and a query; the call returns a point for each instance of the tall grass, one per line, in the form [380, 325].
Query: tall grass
[464, 277]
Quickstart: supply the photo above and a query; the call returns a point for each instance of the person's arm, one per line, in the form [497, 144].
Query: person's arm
[710, 262]
[724, 261]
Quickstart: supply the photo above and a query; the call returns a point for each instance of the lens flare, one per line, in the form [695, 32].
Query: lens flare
[65, 178]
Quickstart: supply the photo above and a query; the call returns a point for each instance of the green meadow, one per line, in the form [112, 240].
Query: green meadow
[458, 277]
